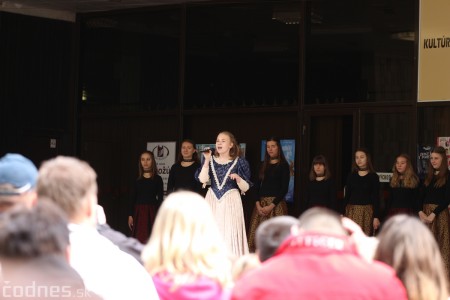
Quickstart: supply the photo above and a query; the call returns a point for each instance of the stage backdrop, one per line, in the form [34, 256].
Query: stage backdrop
[288, 147]
[165, 155]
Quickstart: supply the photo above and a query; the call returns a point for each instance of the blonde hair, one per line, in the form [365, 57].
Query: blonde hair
[185, 243]
[410, 179]
[68, 182]
[409, 247]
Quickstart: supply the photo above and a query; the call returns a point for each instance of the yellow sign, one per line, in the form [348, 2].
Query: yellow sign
[434, 51]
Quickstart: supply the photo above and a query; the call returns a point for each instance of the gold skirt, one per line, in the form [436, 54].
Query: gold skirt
[440, 230]
[362, 215]
[279, 210]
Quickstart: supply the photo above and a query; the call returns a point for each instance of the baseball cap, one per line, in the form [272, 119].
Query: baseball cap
[18, 174]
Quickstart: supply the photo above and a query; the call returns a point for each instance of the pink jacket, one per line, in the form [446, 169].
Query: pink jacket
[203, 289]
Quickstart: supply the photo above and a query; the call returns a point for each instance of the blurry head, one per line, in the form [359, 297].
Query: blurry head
[321, 220]
[147, 164]
[437, 167]
[33, 232]
[71, 184]
[362, 161]
[319, 168]
[185, 241]
[410, 248]
[188, 151]
[403, 170]
[243, 264]
[18, 177]
[271, 233]
[227, 142]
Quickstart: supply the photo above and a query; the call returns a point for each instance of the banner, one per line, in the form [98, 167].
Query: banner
[444, 141]
[423, 159]
[434, 51]
[165, 155]
[288, 147]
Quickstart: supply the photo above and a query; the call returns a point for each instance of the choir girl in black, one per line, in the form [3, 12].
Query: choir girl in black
[182, 173]
[435, 199]
[403, 188]
[321, 189]
[362, 193]
[271, 187]
[146, 197]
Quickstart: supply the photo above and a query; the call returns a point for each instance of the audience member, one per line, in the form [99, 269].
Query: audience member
[34, 251]
[186, 254]
[105, 269]
[319, 262]
[271, 233]
[244, 264]
[18, 177]
[410, 248]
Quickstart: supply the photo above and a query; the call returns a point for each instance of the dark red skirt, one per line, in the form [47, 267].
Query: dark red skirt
[398, 211]
[144, 216]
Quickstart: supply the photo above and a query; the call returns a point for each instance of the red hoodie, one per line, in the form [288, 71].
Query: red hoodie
[319, 266]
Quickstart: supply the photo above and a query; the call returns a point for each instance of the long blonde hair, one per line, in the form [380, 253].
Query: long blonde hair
[410, 179]
[409, 247]
[185, 243]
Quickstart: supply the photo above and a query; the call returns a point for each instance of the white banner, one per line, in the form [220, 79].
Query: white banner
[165, 155]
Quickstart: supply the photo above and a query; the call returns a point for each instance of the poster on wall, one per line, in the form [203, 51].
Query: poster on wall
[444, 141]
[288, 147]
[165, 155]
[423, 158]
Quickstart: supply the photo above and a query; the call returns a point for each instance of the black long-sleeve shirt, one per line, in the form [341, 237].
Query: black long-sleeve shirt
[147, 191]
[183, 178]
[363, 190]
[321, 193]
[275, 183]
[402, 197]
[436, 195]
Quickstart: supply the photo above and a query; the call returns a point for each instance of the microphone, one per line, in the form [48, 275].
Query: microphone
[207, 149]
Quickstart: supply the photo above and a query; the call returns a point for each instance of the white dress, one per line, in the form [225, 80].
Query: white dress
[225, 200]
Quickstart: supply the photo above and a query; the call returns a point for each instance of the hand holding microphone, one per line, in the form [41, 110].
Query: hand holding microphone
[207, 152]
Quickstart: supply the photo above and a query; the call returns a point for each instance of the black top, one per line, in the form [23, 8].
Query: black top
[183, 178]
[147, 191]
[321, 193]
[363, 190]
[402, 197]
[275, 183]
[436, 195]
